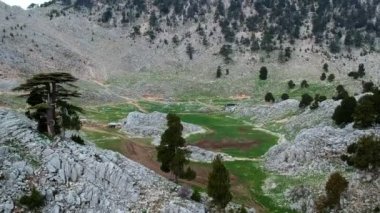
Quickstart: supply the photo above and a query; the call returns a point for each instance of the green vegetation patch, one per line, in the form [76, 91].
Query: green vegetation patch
[109, 113]
[228, 130]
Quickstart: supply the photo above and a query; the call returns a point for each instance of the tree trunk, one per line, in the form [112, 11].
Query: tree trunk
[50, 114]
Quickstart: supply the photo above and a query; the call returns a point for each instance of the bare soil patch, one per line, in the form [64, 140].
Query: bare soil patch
[217, 145]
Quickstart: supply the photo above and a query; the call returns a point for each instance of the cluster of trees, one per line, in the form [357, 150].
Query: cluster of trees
[364, 113]
[359, 74]
[172, 154]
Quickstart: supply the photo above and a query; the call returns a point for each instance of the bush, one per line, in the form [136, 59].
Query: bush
[306, 100]
[325, 67]
[368, 87]
[341, 93]
[304, 84]
[367, 112]
[291, 84]
[263, 73]
[196, 196]
[269, 97]
[323, 77]
[363, 154]
[331, 78]
[335, 186]
[343, 113]
[77, 139]
[284, 96]
[34, 201]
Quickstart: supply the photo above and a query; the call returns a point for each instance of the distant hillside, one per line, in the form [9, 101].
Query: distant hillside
[173, 48]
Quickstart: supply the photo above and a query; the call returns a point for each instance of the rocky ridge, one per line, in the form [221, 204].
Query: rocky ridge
[74, 177]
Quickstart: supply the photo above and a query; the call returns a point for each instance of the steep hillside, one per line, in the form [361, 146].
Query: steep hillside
[143, 47]
[71, 176]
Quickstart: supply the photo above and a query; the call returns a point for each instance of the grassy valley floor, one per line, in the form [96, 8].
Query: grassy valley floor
[224, 133]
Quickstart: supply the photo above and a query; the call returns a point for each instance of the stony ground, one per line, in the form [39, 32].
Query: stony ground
[72, 176]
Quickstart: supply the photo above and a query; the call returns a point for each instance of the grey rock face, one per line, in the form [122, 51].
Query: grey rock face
[78, 178]
[153, 125]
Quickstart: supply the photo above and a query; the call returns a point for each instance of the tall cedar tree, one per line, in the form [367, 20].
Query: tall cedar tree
[48, 96]
[172, 153]
[335, 186]
[218, 186]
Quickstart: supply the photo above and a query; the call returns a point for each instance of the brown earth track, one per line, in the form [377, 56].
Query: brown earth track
[213, 145]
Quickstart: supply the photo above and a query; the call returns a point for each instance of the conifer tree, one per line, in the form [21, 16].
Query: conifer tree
[218, 186]
[48, 96]
[190, 51]
[171, 152]
[219, 72]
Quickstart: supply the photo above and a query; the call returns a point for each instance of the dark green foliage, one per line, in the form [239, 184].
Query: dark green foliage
[171, 153]
[77, 139]
[341, 93]
[107, 15]
[48, 96]
[368, 87]
[305, 101]
[314, 105]
[323, 77]
[367, 112]
[361, 71]
[364, 154]
[219, 72]
[190, 51]
[325, 67]
[196, 196]
[175, 39]
[33, 201]
[226, 51]
[291, 84]
[284, 96]
[343, 113]
[269, 97]
[304, 84]
[334, 46]
[263, 73]
[218, 187]
[334, 188]
[331, 78]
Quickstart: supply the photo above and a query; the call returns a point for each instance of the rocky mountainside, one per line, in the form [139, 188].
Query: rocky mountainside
[71, 176]
[172, 48]
[312, 145]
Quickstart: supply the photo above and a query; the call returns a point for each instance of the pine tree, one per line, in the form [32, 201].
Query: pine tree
[48, 95]
[190, 51]
[172, 153]
[291, 84]
[323, 77]
[219, 72]
[343, 113]
[305, 101]
[218, 186]
[263, 73]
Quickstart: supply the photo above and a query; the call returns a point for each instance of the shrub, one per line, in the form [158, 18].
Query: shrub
[263, 73]
[304, 84]
[364, 153]
[323, 77]
[284, 96]
[306, 100]
[196, 196]
[331, 78]
[343, 113]
[335, 186]
[34, 201]
[326, 67]
[341, 93]
[367, 112]
[291, 84]
[269, 97]
[368, 86]
[77, 139]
